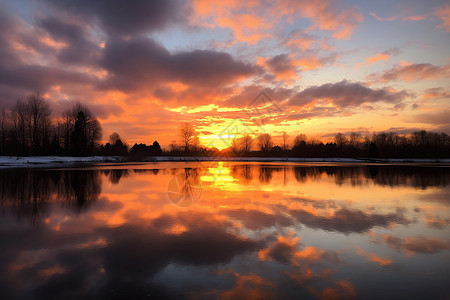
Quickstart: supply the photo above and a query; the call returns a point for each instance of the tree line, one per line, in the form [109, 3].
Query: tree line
[419, 144]
[29, 129]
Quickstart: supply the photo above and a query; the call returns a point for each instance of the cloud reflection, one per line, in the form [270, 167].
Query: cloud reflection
[272, 230]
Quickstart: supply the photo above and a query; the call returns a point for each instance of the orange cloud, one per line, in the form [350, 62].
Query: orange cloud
[383, 19]
[374, 258]
[325, 15]
[247, 27]
[383, 56]
[251, 286]
[300, 40]
[312, 62]
[443, 12]
[415, 18]
[393, 18]
[248, 19]
[435, 93]
[378, 57]
[343, 289]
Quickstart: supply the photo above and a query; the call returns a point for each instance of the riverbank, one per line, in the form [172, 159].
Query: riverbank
[68, 161]
[298, 159]
[55, 161]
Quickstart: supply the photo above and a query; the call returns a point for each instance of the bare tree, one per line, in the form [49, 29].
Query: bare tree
[243, 144]
[299, 139]
[113, 138]
[340, 140]
[285, 141]
[39, 122]
[236, 146]
[187, 135]
[265, 142]
[82, 130]
[19, 117]
[247, 142]
[355, 140]
[173, 146]
[3, 129]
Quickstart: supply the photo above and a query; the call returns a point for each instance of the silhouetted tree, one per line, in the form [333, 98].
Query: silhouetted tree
[285, 138]
[299, 139]
[155, 148]
[187, 135]
[242, 145]
[141, 151]
[39, 122]
[265, 142]
[86, 131]
[3, 131]
[340, 140]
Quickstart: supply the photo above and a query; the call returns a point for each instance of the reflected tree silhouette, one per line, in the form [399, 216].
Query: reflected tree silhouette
[416, 176]
[79, 188]
[114, 175]
[265, 175]
[27, 192]
[243, 172]
[300, 174]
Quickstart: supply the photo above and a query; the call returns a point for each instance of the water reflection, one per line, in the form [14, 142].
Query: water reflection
[27, 192]
[258, 231]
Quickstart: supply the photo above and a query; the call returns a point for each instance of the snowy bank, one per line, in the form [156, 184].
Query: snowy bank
[296, 159]
[53, 161]
[68, 161]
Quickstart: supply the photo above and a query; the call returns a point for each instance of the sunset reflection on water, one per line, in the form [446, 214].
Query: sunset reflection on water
[257, 231]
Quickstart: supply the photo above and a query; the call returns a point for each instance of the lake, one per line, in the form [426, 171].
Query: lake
[226, 230]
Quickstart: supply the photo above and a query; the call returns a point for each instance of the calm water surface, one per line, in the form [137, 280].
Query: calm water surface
[225, 230]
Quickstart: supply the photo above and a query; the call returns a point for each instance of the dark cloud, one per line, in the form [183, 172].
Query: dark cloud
[246, 97]
[20, 75]
[131, 256]
[79, 47]
[363, 131]
[399, 106]
[40, 78]
[281, 64]
[414, 245]
[253, 219]
[393, 51]
[400, 130]
[282, 252]
[348, 221]
[444, 128]
[441, 117]
[345, 94]
[7, 54]
[412, 72]
[317, 111]
[100, 110]
[123, 17]
[141, 62]
[436, 93]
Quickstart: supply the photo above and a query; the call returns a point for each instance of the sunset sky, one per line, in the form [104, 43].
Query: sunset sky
[143, 68]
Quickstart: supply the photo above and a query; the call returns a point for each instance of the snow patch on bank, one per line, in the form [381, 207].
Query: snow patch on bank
[41, 161]
[295, 159]
[67, 161]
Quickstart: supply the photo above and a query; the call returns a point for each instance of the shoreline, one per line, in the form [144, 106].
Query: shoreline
[71, 161]
[298, 159]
